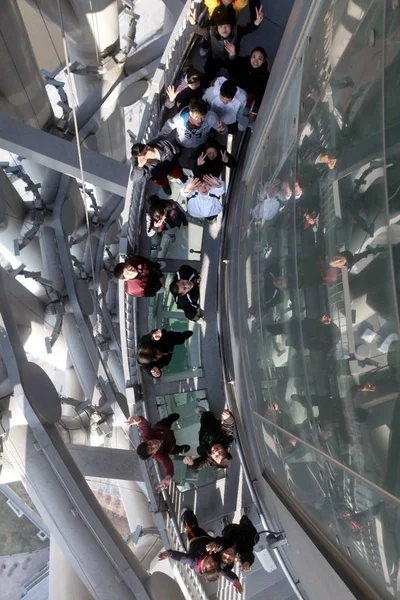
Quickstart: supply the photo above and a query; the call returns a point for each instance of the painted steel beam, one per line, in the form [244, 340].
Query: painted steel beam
[61, 155]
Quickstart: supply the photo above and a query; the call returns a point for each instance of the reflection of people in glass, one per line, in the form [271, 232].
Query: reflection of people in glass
[322, 335]
[331, 416]
[348, 259]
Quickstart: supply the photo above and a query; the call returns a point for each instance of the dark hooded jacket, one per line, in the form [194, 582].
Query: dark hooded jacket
[157, 169]
[190, 302]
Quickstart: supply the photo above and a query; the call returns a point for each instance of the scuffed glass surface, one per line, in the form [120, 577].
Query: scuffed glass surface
[320, 250]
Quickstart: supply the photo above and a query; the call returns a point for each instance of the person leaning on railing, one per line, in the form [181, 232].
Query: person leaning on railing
[215, 439]
[158, 443]
[198, 557]
[142, 276]
[191, 86]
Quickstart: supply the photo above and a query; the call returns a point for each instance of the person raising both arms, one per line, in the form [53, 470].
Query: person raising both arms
[204, 197]
[158, 443]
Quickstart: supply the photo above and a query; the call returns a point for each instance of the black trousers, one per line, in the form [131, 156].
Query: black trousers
[168, 422]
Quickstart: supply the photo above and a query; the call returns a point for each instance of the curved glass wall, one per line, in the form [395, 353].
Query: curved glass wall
[320, 246]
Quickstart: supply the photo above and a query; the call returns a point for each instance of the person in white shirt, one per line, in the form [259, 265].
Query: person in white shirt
[204, 196]
[227, 101]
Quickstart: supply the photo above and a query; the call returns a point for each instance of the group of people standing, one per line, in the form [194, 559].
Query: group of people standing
[207, 107]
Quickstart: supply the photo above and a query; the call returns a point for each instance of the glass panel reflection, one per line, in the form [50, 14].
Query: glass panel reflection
[320, 252]
[356, 517]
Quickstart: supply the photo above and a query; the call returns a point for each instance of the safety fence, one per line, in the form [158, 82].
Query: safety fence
[165, 507]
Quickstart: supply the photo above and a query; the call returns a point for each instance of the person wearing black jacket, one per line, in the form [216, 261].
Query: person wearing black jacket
[215, 438]
[186, 290]
[251, 74]
[237, 540]
[157, 160]
[198, 558]
[156, 348]
[211, 159]
[224, 37]
[164, 216]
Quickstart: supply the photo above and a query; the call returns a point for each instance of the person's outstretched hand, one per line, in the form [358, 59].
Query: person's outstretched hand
[164, 554]
[164, 483]
[212, 181]
[171, 93]
[224, 155]
[155, 371]
[133, 421]
[192, 184]
[225, 415]
[230, 48]
[259, 16]
[192, 17]
[245, 567]
[202, 159]
[211, 547]
[188, 460]
[238, 586]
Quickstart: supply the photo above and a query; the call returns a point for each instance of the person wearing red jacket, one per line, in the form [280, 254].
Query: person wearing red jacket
[158, 443]
[143, 277]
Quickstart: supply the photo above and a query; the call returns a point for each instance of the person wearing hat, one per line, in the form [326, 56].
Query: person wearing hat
[224, 37]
